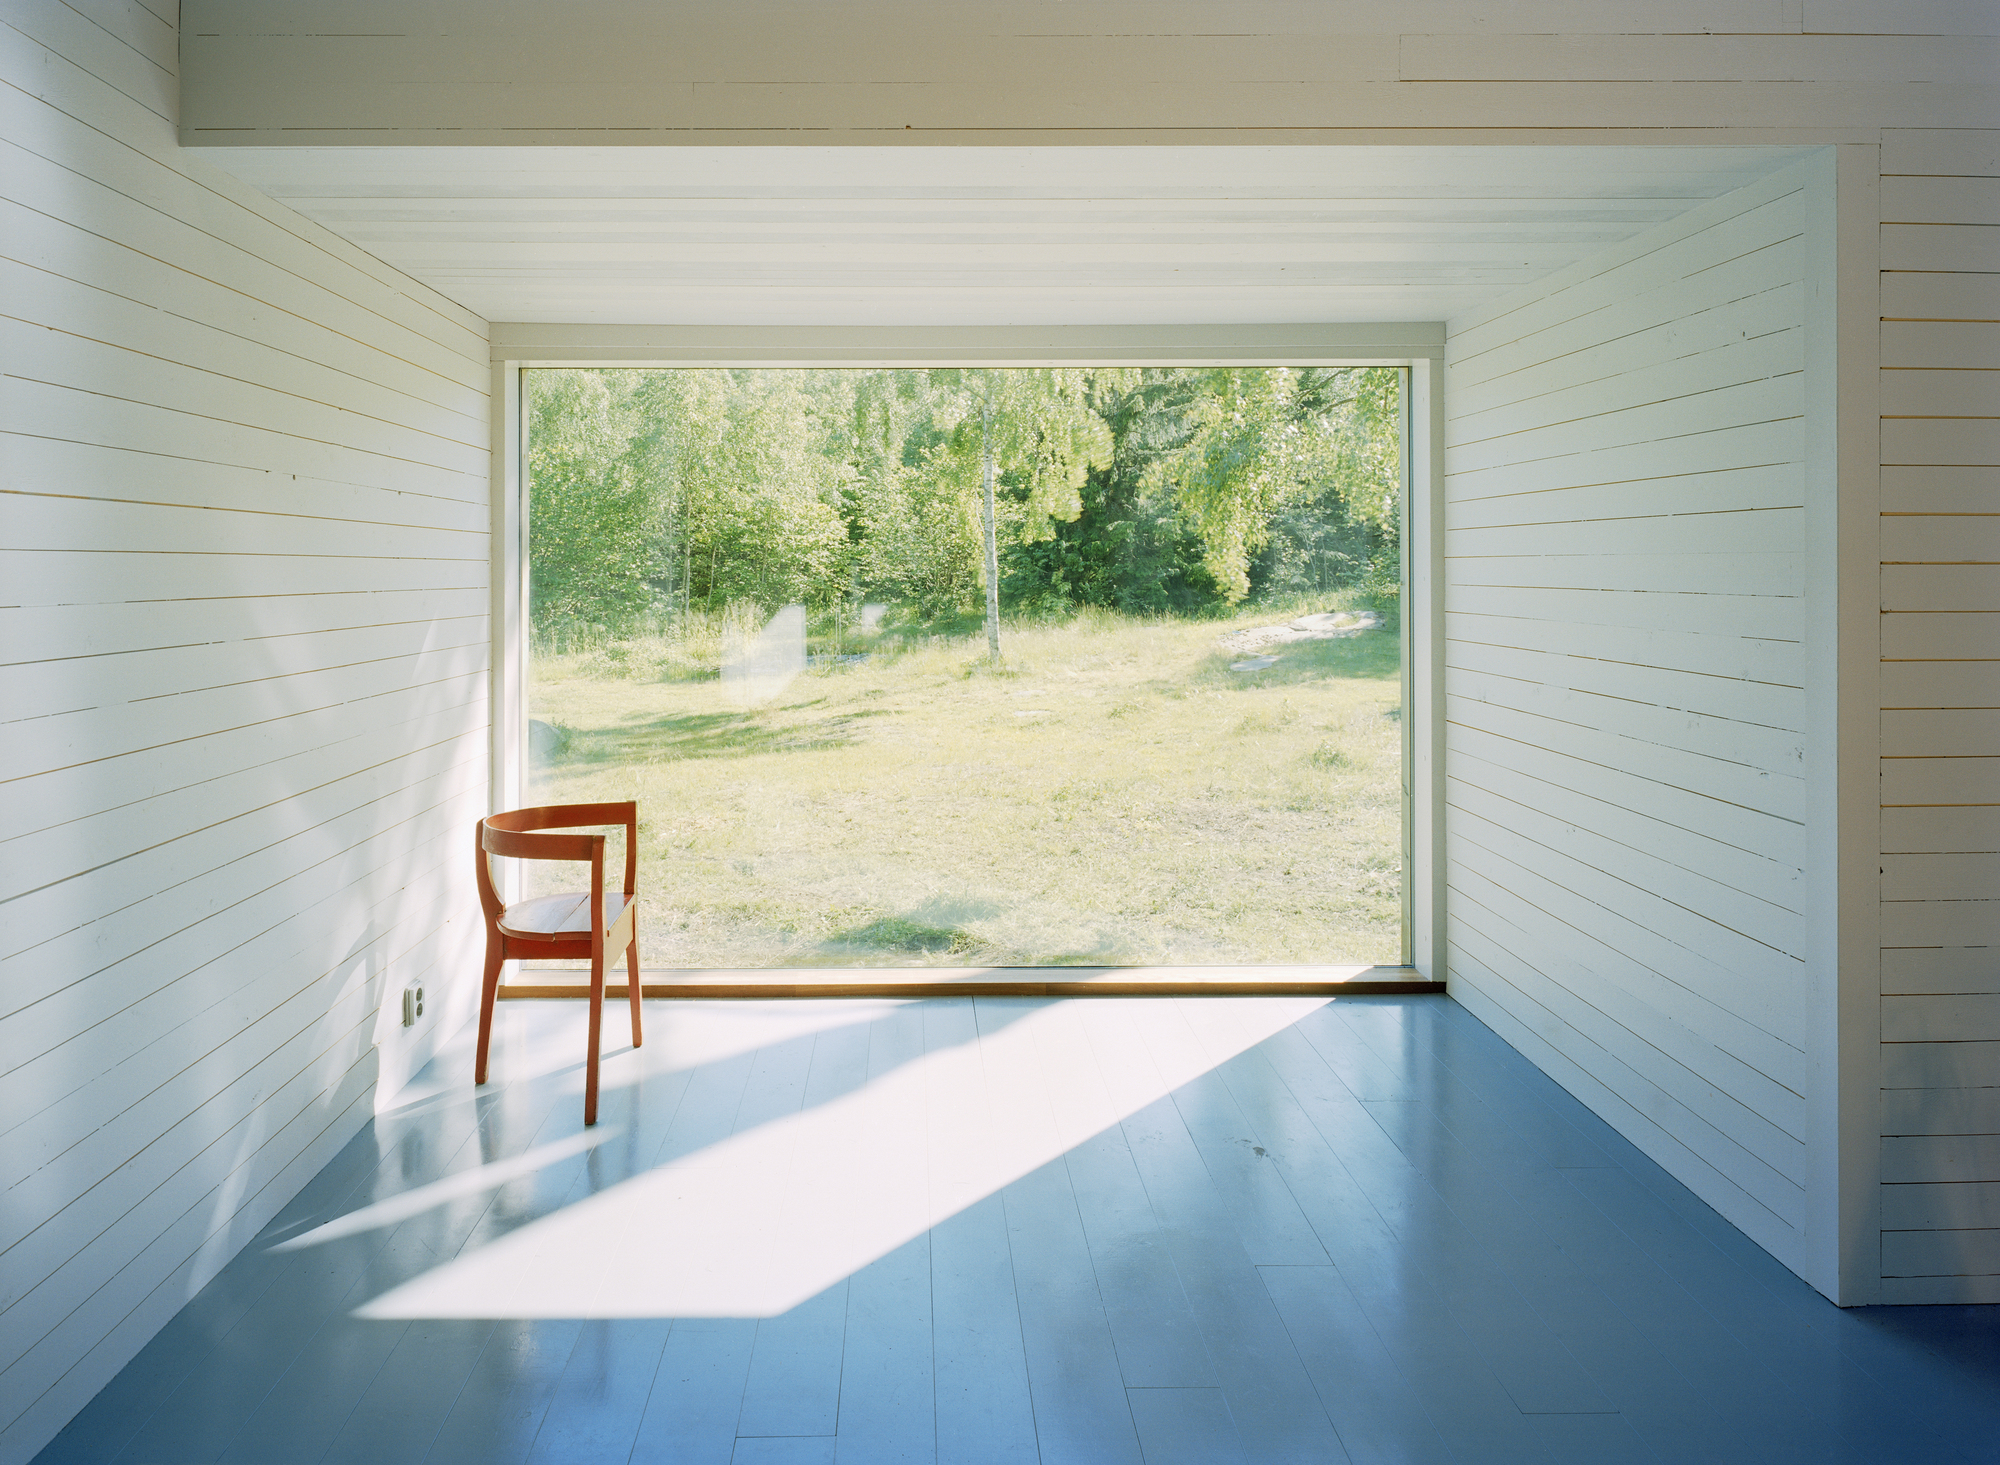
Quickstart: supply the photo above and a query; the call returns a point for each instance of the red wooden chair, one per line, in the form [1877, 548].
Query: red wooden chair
[577, 924]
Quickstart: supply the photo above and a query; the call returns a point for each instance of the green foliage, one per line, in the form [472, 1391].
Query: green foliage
[917, 542]
[1344, 530]
[1042, 432]
[1261, 444]
[659, 496]
[751, 461]
[594, 500]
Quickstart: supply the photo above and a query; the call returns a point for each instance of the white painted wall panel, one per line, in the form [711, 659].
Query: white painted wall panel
[243, 713]
[1626, 683]
[1901, 17]
[1940, 769]
[515, 72]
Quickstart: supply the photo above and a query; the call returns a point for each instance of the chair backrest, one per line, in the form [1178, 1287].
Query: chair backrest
[514, 834]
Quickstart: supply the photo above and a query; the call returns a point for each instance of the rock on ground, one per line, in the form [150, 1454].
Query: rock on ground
[1332, 625]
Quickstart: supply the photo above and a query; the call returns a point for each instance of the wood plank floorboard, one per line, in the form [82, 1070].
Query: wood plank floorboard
[1377, 1411]
[985, 1413]
[594, 1411]
[794, 1383]
[267, 1366]
[697, 1396]
[1081, 1414]
[887, 1408]
[1277, 1411]
[498, 1412]
[1004, 1230]
[1185, 1427]
[147, 1384]
[1153, 1330]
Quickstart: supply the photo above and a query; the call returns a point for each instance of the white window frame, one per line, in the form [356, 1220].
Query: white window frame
[1416, 346]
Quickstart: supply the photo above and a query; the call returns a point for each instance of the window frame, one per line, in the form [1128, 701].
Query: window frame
[1415, 347]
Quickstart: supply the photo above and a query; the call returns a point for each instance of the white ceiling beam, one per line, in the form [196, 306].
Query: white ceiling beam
[546, 344]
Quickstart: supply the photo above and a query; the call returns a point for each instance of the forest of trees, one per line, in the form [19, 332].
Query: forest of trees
[656, 493]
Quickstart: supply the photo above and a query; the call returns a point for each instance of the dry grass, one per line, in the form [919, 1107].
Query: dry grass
[1113, 794]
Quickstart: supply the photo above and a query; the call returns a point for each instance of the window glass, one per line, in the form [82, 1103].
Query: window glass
[978, 667]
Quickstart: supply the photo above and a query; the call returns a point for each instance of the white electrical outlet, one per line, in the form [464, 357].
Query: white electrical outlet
[413, 1005]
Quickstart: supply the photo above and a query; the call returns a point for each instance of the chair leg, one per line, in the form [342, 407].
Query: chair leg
[596, 1023]
[489, 984]
[632, 984]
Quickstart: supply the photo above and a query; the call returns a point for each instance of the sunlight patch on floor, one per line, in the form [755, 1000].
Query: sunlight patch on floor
[760, 1222]
[481, 1178]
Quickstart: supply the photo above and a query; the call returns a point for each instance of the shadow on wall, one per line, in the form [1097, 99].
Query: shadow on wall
[281, 798]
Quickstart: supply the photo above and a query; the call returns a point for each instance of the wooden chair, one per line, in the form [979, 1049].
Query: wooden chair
[577, 924]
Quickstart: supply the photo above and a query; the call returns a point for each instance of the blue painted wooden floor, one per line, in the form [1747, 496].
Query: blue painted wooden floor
[1198, 1230]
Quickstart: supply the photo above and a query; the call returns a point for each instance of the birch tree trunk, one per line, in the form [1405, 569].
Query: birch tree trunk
[992, 541]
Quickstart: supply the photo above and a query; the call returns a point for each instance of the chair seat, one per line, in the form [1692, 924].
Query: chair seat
[558, 917]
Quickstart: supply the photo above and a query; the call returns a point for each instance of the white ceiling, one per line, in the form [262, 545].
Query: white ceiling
[980, 236]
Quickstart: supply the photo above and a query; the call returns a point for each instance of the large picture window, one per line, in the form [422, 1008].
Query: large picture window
[1009, 666]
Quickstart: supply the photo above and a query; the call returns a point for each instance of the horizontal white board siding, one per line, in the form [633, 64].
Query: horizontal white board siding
[1940, 772]
[1626, 692]
[346, 72]
[243, 708]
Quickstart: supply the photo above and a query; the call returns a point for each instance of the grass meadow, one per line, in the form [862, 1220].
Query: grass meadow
[1112, 794]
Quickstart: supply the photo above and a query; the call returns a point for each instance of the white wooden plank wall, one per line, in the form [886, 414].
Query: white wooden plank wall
[1941, 716]
[344, 73]
[243, 721]
[1624, 671]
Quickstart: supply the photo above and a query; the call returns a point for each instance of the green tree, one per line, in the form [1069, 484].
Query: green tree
[1259, 441]
[1164, 490]
[594, 502]
[914, 531]
[1346, 528]
[1037, 427]
[1243, 459]
[755, 485]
